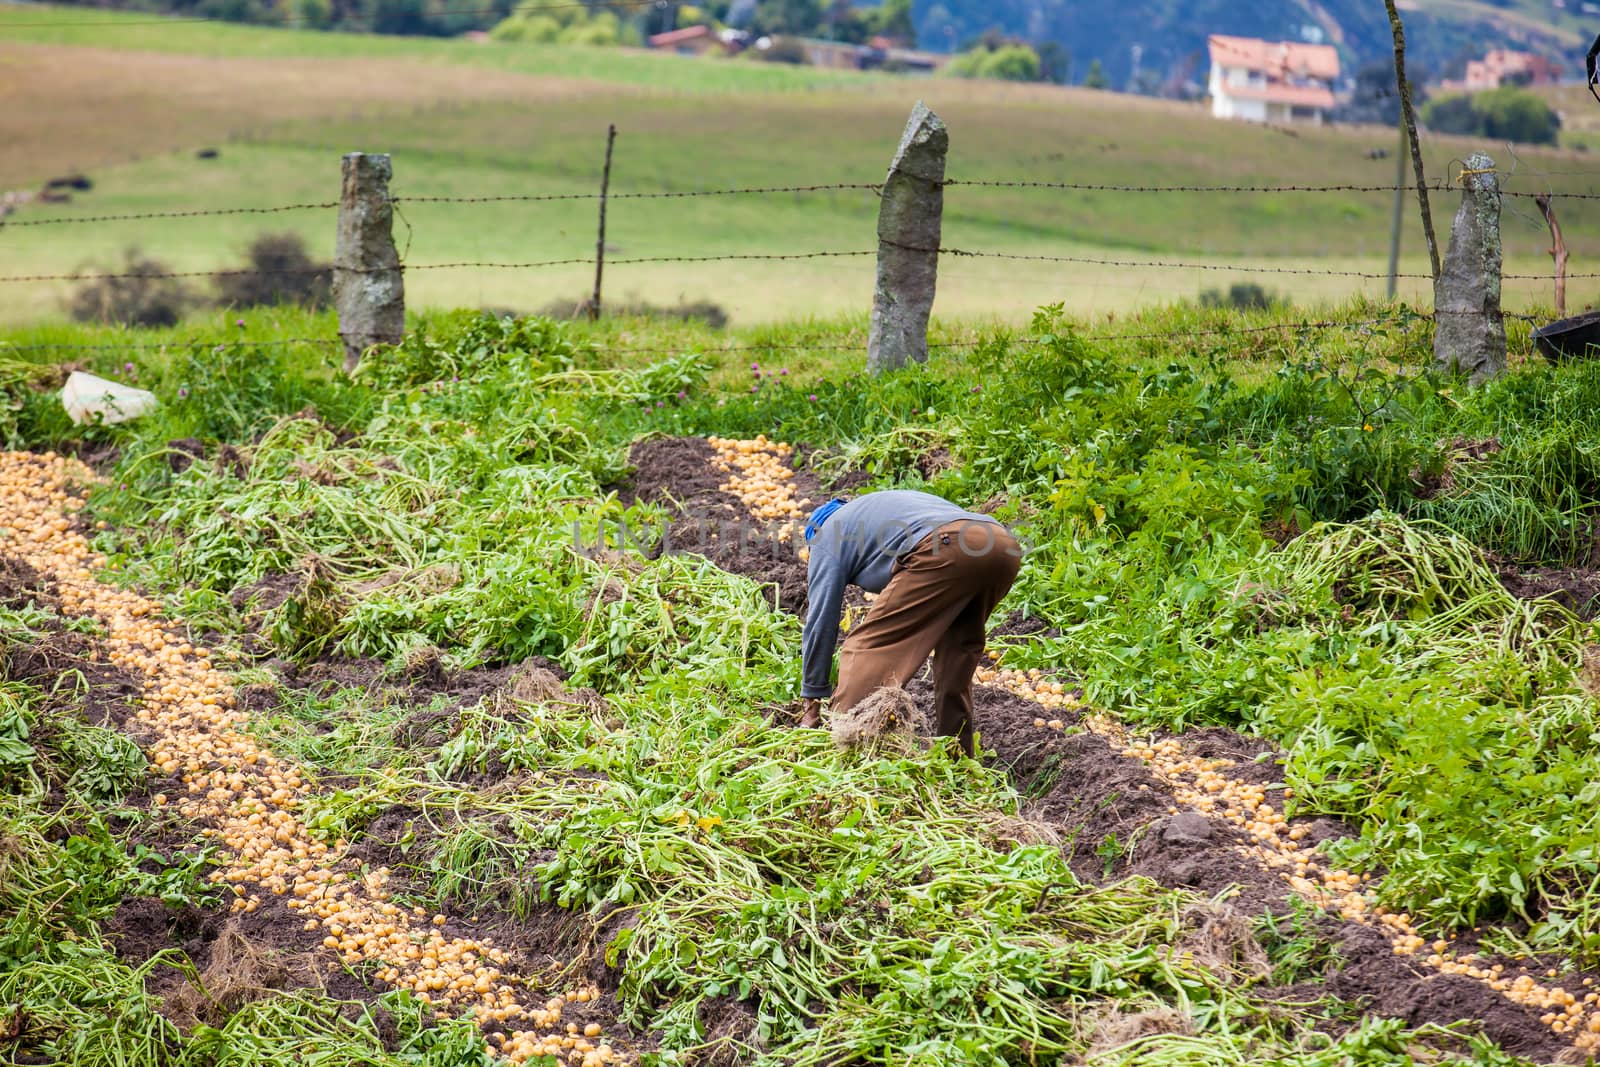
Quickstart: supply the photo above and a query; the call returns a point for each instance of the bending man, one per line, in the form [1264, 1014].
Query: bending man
[939, 571]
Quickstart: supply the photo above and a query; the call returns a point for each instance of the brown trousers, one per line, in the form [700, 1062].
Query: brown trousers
[939, 598]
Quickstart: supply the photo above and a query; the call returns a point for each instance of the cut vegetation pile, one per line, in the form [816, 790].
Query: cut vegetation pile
[475, 739]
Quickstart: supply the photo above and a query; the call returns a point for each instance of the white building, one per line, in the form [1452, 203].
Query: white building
[1271, 81]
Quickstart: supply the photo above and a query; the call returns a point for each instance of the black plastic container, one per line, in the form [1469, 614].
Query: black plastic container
[1570, 338]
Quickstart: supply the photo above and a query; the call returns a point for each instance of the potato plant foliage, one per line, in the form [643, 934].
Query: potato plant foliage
[1289, 536]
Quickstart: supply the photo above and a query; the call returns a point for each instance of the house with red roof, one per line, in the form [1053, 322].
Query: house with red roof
[693, 41]
[1271, 81]
[1502, 66]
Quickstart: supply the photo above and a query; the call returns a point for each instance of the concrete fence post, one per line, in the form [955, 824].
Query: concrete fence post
[368, 287]
[910, 221]
[1469, 332]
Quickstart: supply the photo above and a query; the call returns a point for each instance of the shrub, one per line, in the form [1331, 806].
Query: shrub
[1010, 62]
[712, 314]
[527, 29]
[1505, 114]
[1241, 296]
[281, 272]
[137, 294]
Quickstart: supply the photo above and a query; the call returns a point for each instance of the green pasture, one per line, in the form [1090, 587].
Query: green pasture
[499, 120]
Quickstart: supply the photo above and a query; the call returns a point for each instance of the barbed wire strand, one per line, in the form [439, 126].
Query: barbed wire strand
[195, 214]
[769, 190]
[476, 265]
[736, 257]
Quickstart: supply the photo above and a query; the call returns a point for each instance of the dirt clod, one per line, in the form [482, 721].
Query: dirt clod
[887, 718]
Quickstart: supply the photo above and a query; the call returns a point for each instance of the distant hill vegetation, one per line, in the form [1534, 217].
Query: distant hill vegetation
[1170, 35]
[1150, 46]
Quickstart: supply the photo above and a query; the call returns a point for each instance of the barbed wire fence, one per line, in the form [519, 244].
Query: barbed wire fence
[379, 257]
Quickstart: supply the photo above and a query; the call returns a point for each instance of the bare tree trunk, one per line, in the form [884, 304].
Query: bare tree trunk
[1410, 116]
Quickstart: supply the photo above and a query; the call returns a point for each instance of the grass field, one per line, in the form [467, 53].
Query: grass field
[468, 119]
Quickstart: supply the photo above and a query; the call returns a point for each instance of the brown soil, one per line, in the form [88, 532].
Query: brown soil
[263, 595]
[1371, 975]
[109, 694]
[1577, 588]
[22, 585]
[730, 1028]
[1018, 624]
[184, 453]
[1111, 811]
[682, 472]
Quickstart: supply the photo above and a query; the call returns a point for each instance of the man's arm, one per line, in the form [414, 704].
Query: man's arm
[826, 581]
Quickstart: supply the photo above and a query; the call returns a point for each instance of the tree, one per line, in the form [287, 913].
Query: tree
[968, 64]
[1511, 114]
[799, 18]
[895, 20]
[1014, 63]
[1096, 78]
[844, 22]
[1375, 98]
[527, 29]
[1055, 63]
[1453, 114]
[398, 16]
[313, 14]
[1007, 62]
[603, 29]
[1504, 114]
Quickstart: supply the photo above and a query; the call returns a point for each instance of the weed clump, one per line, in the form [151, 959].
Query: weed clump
[142, 292]
[711, 314]
[277, 270]
[1242, 296]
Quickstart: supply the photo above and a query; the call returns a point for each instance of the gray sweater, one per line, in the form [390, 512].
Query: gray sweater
[859, 545]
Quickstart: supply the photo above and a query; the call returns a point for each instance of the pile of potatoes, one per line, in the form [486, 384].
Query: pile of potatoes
[1201, 785]
[246, 799]
[760, 476]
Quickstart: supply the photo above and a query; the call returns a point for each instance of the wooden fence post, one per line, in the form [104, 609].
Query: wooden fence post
[910, 220]
[368, 286]
[1409, 118]
[600, 242]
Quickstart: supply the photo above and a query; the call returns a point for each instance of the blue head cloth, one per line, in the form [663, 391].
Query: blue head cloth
[820, 516]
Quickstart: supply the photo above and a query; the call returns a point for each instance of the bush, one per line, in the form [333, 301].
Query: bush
[282, 272]
[602, 30]
[1506, 114]
[1241, 296]
[1012, 62]
[527, 29]
[713, 315]
[137, 294]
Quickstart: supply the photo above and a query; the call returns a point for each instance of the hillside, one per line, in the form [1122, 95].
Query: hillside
[1171, 34]
[112, 97]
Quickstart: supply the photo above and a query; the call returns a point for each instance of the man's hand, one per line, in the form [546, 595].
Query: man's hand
[811, 712]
